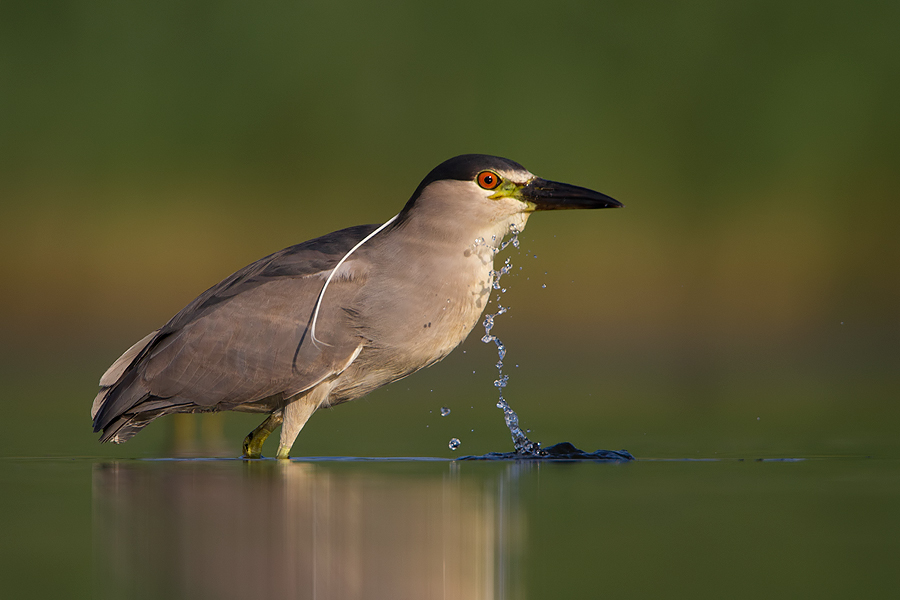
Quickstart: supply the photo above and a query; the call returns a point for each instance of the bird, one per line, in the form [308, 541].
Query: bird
[331, 319]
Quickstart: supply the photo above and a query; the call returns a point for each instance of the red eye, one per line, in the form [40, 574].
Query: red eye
[488, 180]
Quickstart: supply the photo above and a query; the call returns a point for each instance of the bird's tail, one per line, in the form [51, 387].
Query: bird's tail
[120, 392]
[116, 370]
[124, 427]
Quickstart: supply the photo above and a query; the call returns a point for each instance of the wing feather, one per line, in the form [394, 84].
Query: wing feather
[242, 341]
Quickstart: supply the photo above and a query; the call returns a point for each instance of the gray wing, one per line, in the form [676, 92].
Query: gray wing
[244, 343]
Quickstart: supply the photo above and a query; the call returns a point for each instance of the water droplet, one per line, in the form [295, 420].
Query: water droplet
[520, 440]
[544, 285]
[445, 411]
[454, 444]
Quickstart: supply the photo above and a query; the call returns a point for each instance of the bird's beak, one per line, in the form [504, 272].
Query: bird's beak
[550, 195]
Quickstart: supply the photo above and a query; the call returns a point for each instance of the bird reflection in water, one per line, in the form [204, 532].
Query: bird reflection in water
[228, 529]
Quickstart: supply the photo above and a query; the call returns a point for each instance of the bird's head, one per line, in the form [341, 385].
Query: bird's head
[494, 192]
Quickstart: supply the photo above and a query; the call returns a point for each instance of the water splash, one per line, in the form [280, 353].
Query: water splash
[445, 411]
[522, 444]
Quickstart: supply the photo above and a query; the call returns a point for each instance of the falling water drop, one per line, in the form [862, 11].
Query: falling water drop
[521, 442]
[454, 444]
[445, 411]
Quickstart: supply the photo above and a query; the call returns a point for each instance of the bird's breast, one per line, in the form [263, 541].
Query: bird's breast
[418, 310]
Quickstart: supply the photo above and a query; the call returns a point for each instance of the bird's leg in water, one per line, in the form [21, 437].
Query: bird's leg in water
[297, 413]
[253, 443]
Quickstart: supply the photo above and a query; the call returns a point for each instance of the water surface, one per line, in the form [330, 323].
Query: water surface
[818, 527]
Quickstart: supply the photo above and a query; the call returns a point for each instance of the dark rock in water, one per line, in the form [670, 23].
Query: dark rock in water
[560, 451]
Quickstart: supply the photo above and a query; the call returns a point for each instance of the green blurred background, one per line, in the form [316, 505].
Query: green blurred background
[744, 302]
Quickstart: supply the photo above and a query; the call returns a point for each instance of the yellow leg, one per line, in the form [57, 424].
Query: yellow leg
[254, 441]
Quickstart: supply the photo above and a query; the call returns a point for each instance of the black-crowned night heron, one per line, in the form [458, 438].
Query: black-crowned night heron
[332, 319]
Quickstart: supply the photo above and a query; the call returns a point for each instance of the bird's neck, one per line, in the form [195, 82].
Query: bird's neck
[482, 232]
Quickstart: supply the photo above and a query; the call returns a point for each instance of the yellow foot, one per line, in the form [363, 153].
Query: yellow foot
[254, 441]
[248, 448]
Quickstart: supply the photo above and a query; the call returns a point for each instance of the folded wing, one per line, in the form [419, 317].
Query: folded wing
[243, 344]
